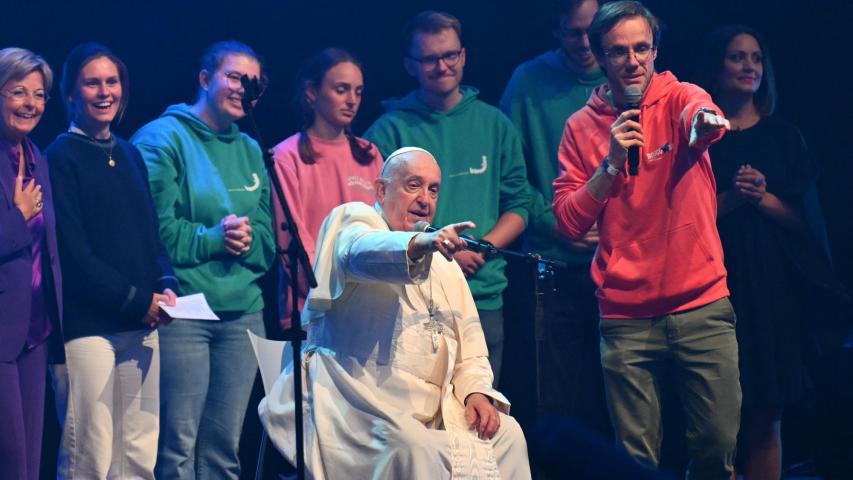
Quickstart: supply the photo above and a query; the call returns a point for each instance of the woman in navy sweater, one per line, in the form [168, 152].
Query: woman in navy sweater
[117, 273]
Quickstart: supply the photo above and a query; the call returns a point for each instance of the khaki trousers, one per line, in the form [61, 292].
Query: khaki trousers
[700, 348]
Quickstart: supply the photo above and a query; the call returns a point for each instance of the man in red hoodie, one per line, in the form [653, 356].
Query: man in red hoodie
[659, 268]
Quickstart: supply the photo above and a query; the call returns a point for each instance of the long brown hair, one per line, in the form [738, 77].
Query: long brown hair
[311, 73]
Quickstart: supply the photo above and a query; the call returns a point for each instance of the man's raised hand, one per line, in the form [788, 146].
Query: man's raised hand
[445, 241]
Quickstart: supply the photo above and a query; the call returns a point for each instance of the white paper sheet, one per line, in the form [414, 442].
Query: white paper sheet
[190, 307]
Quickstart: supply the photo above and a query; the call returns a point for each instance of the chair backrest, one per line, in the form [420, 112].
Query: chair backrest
[272, 356]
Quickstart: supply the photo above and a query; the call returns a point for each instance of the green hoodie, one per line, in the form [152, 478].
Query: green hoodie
[197, 177]
[482, 167]
[541, 95]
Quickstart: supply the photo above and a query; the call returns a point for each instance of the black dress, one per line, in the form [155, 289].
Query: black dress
[769, 265]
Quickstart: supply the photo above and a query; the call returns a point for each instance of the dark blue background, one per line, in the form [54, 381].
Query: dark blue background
[160, 41]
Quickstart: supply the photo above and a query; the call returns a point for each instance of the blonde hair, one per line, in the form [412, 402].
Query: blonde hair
[17, 63]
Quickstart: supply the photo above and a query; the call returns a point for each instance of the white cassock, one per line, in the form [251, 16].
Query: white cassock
[385, 381]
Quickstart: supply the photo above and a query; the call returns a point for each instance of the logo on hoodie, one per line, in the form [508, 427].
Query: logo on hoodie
[249, 188]
[656, 155]
[475, 171]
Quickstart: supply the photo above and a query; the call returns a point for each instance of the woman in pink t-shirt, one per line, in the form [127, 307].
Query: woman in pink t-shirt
[324, 165]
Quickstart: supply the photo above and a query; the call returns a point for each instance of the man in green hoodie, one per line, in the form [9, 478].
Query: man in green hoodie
[478, 149]
[540, 97]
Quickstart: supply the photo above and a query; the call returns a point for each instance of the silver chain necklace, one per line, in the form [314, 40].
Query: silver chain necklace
[432, 325]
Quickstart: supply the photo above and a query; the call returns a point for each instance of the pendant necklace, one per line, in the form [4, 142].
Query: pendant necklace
[109, 153]
[433, 326]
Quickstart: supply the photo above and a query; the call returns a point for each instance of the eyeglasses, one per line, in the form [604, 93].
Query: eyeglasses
[430, 62]
[235, 83]
[20, 94]
[619, 55]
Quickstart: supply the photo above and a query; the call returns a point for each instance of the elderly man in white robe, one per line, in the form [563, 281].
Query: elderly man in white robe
[397, 379]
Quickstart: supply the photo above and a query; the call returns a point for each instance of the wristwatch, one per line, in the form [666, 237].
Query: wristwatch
[610, 169]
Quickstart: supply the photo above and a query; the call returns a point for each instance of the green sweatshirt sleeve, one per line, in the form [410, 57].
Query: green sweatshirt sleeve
[515, 191]
[542, 219]
[188, 243]
[511, 102]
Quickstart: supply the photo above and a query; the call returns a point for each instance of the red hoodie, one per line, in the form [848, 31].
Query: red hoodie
[659, 250]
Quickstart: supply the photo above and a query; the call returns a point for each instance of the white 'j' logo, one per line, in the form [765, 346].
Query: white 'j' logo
[483, 166]
[249, 188]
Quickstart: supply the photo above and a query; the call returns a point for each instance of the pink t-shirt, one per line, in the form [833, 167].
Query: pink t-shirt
[313, 190]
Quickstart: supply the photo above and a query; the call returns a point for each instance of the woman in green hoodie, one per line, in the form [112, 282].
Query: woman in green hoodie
[213, 200]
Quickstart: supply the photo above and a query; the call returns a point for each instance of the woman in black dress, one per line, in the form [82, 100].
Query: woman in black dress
[765, 184]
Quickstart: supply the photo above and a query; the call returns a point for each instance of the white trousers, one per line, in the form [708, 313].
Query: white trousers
[108, 399]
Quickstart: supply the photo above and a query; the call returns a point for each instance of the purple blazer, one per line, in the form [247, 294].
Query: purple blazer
[16, 263]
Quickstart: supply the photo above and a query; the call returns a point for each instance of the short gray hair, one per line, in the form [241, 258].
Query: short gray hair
[17, 63]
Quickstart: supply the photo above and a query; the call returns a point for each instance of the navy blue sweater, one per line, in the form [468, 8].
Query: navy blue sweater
[107, 229]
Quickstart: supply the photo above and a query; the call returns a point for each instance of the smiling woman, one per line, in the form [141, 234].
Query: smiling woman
[97, 95]
[22, 113]
[216, 225]
[104, 211]
[30, 299]
[770, 227]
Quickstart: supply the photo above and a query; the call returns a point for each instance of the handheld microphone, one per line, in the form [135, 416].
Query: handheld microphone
[633, 96]
[479, 246]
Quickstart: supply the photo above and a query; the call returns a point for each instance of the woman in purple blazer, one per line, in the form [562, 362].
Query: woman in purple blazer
[30, 302]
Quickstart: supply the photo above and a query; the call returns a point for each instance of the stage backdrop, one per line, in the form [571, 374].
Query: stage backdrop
[161, 41]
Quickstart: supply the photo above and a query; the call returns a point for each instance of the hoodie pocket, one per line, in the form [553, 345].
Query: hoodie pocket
[667, 270]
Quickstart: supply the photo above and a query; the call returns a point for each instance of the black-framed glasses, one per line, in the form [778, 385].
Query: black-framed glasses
[619, 55]
[235, 83]
[20, 94]
[431, 61]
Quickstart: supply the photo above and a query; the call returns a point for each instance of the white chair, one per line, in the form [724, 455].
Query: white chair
[272, 356]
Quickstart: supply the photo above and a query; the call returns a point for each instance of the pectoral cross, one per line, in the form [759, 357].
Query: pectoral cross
[433, 326]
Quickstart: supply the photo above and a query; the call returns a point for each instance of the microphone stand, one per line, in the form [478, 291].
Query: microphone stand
[548, 264]
[489, 251]
[297, 255]
[543, 287]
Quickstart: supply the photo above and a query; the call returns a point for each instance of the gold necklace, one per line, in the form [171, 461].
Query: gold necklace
[112, 163]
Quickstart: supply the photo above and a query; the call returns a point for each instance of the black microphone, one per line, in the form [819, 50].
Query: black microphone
[479, 246]
[250, 91]
[633, 96]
